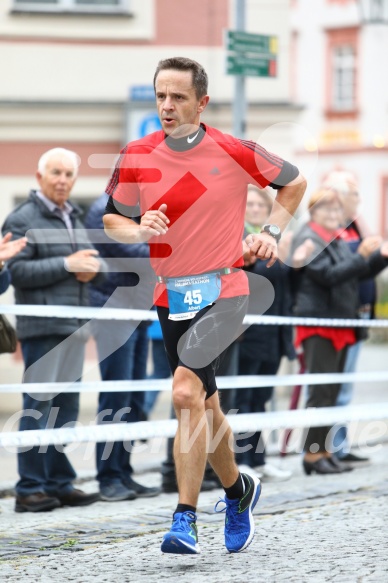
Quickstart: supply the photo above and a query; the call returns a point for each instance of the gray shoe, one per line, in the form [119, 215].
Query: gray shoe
[116, 492]
[140, 490]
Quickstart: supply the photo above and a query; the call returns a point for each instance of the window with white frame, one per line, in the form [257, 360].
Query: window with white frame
[344, 78]
[92, 6]
[378, 10]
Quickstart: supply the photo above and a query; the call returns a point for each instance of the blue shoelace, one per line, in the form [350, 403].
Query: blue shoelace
[231, 510]
[182, 522]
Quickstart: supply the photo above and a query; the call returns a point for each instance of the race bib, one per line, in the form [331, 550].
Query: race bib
[188, 295]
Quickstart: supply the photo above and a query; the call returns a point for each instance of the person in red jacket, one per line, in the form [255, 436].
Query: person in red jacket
[353, 233]
[327, 287]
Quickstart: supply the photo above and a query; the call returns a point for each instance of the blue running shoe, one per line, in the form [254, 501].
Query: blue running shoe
[182, 539]
[239, 523]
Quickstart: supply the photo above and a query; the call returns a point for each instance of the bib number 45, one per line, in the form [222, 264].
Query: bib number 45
[193, 297]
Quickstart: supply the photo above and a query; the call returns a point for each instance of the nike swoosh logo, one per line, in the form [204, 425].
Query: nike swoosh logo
[190, 140]
[193, 532]
[193, 535]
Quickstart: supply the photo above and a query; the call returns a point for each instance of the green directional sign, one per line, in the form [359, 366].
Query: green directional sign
[251, 55]
[250, 66]
[246, 42]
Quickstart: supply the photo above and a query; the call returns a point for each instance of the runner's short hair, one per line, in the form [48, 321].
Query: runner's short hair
[200, 79]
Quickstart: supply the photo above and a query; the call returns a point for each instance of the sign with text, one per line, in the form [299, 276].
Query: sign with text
[142, 93]
[253, 55]
[250, 66]
[246, 42]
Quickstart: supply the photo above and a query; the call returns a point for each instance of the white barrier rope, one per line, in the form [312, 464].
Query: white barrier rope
[224, 382]
[84, 313]
[167, 428]
[299, 418]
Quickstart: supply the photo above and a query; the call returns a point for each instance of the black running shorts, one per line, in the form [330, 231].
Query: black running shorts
[199, 344]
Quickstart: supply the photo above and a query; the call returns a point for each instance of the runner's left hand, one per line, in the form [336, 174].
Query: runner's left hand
[263, 246]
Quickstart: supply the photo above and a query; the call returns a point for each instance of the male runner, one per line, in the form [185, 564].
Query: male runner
[188, 183]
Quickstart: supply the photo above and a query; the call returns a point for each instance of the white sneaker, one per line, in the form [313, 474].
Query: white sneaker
[270, 473]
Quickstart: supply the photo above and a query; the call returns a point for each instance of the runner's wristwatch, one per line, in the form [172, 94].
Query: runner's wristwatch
[272, 230]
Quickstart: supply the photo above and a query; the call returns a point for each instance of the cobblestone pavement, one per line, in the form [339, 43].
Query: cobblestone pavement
[308, 529]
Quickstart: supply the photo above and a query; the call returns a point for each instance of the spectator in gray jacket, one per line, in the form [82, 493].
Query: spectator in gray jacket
[53, 269]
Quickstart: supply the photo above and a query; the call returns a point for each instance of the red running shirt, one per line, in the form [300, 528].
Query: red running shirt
[205, 189]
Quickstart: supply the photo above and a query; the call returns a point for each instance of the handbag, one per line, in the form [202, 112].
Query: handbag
[8, 338]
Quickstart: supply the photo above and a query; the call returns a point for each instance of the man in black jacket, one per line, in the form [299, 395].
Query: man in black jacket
[53, 269]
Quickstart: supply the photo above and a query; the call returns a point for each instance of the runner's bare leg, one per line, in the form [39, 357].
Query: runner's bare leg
[190, 458]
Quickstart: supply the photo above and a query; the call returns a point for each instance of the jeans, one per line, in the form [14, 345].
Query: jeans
[340, 438]
[128, 362]
[253, 400]
[161, 371]
[47, 468]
